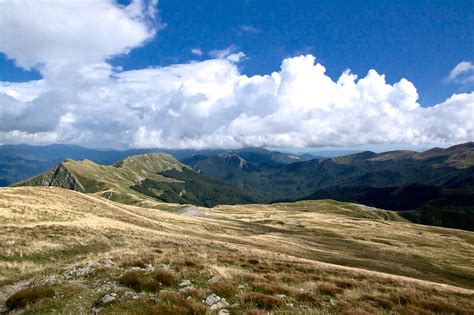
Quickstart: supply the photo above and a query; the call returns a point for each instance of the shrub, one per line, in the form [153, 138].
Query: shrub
[136, 261]
[172, 297]
[263, 301]
[165, 277]
[342, 283]
[195, 308]
[190, 263]
[269, 288]
[139, 281]
[292, 277]
[195, 293]
[329, 289]
[222, 288]
[304, 296]
[28, 296]
[379, 300]
[189, 306]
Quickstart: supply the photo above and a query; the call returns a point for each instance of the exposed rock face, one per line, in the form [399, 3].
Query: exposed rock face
[58, 176]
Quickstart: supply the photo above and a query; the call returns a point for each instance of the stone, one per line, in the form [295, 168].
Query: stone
[150, 268]
[234, 306]
[212, 299]
[185, 283]
[129, 295]
[241, 286]
[220, 305]
[215, 278]
[290, 305]
[96, 310]
[281, 296]
[223, 312]
[108, 262]
[80, 271]
[108, 298]
[185, 290]
[52, 280]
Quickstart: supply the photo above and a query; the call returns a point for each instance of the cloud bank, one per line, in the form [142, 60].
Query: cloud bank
[82, 99]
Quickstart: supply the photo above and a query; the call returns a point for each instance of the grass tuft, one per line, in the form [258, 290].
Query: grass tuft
[189, 305]
[329, 289]
[166, 277]
[139, 281]
[222, 288]
[28, 296]
[264, 301]
[137, 261]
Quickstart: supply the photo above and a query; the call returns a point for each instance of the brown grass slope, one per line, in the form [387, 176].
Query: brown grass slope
[323, 256]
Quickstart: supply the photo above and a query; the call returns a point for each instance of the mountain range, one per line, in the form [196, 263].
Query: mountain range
[19, 162]
[157, 176]
[434, 187]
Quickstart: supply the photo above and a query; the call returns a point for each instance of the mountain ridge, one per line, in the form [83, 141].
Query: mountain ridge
[156, 176]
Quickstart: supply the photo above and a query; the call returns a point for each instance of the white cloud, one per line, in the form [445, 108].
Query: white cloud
[84, 100]
[249, 28]
[462, 73]
[196, 51]
[74, 31]
[210, 104]
[231, 53]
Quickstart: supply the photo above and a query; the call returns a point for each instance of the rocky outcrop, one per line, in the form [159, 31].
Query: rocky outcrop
[58, 176]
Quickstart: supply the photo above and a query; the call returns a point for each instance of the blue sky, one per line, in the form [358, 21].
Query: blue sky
[419, 40]
[188, 73]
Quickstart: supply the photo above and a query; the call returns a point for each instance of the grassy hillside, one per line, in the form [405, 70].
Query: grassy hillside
[67, 251]
[154, 176]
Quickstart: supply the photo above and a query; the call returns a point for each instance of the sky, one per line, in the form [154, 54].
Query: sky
[230, 74]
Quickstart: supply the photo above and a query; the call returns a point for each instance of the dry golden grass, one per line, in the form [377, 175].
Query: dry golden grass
[325, 257]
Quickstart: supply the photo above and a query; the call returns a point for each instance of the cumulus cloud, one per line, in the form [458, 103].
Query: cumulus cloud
[40, 32]
[462, 73]
[196, 51]
[211, 104]
[206, 104]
